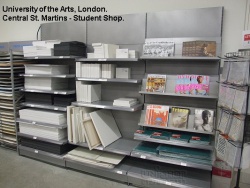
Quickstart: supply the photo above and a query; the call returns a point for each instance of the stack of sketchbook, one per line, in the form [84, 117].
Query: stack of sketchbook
[40, 48]
[185, 154]
[96, 158]
[88, 92]
[40, 117]
[96, 128]
[95, 70]
[125, 102]
[174, 136]
[103, 50]
[46, 82]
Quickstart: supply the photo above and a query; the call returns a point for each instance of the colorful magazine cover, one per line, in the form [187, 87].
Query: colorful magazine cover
[179, 117]
[199, 85]
[179, 85]
[157, 115]
[156, 83]
[204, 120]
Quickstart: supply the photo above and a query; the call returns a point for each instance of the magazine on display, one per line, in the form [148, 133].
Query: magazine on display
[156, 83]
[204, 120]
[179, 117]
[157, 115]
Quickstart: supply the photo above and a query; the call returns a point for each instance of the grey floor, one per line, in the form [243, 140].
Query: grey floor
[20, 172]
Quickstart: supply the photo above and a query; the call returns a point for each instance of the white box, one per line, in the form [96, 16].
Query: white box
[122, 53]
[46, 69]
[133, 54]
[123, 73]
[45, 83]
[91, 55]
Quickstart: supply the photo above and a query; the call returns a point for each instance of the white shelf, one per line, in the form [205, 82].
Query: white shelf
[44, 106]
[180, 95]
[180, 58]
[108, 105]
[37, 123]
[59, 92]
[177, 129]
[121, 146]
[175, 143]
[48, 75]
[106, 59]
[52, 57]
[169, 160]
[121, 80]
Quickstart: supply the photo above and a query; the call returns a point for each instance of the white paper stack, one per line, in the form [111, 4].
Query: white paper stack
[45, 116]
[125, 102]
[97, 158]
[88, 92]
[104, 50]
[46, 69]
[78, 69]
[108, 70]
[133, 54]
[43, 132]
[122, 53]
[91, 71]
[45, 83]
[40, 48]
[123, 73]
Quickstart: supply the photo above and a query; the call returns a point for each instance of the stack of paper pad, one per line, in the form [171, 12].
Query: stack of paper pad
[45, 116]
[185, 154]
[46, 146]
[180, 137]
[97, 158]
[88, 92]
[46, 83]
[163, 135]
[44, 132]
[46, 69]
[201, 139]
[104, 50]
[125, 102]
[143, 133]
[108, 70]
[40, 48]
[147, 148]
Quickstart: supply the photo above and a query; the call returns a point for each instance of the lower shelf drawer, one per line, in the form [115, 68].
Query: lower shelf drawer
[41, 155]
[118, 173]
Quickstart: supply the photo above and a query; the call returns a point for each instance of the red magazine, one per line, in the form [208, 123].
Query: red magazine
[157, 115]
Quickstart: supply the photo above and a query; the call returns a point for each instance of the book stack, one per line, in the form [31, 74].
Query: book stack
[72, 48]
[91, 70]
[185, 154]
[85, 125]
[88, 92]
[200, 139]
[51, 117]
[192, 84]
[199, 48]
[47, 117]
[96, 158]
[147, 148]
[108, 70]
[46, 83]
[163, 135]
[180, 137]
[143, 133]
[125, 102]
[104, 50]
[40, 48]
[158, 47]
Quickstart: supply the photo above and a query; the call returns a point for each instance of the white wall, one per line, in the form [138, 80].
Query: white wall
[236, 15]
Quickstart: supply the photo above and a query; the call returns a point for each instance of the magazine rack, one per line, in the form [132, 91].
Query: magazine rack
[234, 88]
